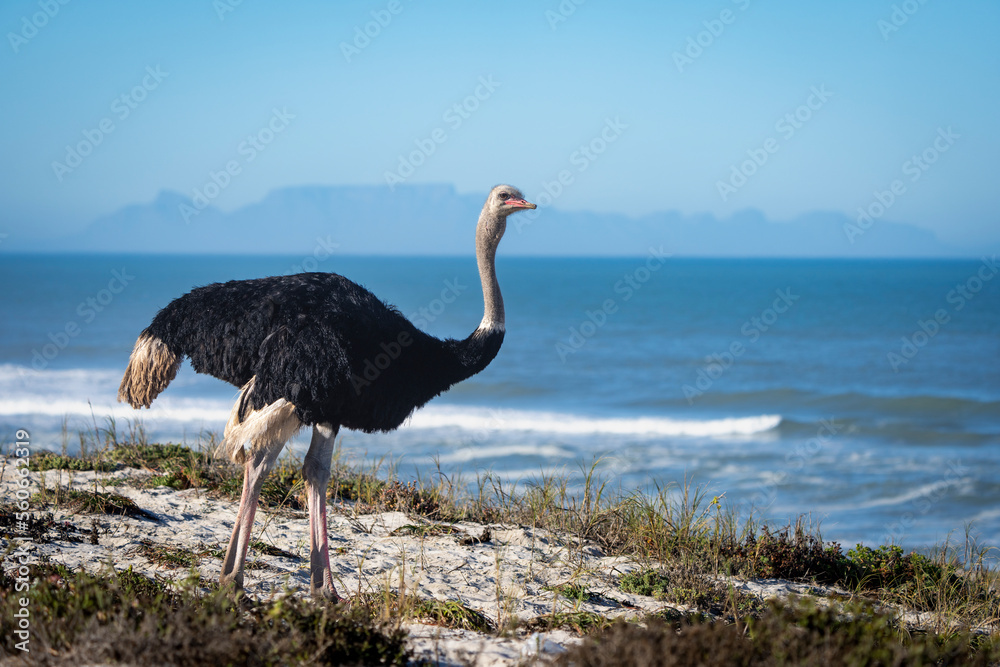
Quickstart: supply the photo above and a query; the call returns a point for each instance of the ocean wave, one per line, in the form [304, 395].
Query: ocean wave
[484, 419]
[84, 392]
[14, 378]
[467, 454]
[897, 429]
[922, 405]
[929, 490]
[177, 410]
[87, 393]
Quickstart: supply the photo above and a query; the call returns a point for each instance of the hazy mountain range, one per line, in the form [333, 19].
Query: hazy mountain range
[435, 220]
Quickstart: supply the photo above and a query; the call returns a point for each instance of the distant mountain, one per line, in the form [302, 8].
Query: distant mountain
[435, 220]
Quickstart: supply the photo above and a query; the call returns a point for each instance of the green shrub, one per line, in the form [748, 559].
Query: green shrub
[123, 617]
[785, 635]
[652, 583]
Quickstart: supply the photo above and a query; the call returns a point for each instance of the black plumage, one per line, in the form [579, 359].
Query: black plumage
[321, 342]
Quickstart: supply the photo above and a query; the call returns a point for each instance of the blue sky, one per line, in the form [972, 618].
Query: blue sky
[555, 74]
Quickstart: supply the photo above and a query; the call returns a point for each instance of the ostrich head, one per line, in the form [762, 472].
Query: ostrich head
[501, 202]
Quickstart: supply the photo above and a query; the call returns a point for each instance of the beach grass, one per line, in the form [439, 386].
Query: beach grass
[125, 618]
[693, 551]
[793, 633]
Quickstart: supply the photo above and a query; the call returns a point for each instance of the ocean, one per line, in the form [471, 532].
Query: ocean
[863, 393]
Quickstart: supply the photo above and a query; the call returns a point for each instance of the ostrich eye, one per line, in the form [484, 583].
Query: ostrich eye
[504, 196]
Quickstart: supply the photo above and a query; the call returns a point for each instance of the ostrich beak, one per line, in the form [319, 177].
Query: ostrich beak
[519, 203]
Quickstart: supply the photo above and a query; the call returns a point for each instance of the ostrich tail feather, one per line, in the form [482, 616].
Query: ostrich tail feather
[151, 368]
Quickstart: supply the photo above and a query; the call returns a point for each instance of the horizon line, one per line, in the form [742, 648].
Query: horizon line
[540, 256]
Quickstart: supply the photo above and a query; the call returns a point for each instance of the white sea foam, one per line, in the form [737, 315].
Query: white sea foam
[479, 452]
[92, 393]
[930, 492]
[484, 419]
[985, 516]
[179, 410]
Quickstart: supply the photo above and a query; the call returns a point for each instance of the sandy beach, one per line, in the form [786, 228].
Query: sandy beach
[504, 572]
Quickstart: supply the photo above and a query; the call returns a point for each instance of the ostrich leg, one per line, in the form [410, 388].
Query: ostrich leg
[316, 471]
[257, 465]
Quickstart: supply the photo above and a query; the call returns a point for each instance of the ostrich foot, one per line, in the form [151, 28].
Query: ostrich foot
[327, 594]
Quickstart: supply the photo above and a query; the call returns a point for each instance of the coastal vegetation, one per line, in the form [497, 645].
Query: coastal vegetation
[693, 555]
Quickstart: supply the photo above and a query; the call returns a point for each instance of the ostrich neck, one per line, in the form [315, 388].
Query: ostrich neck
[486, 252]
[473, 354]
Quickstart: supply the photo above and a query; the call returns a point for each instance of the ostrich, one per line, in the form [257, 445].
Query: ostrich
[312, 349]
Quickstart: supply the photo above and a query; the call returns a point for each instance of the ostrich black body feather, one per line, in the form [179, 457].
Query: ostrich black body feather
[323, 343]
